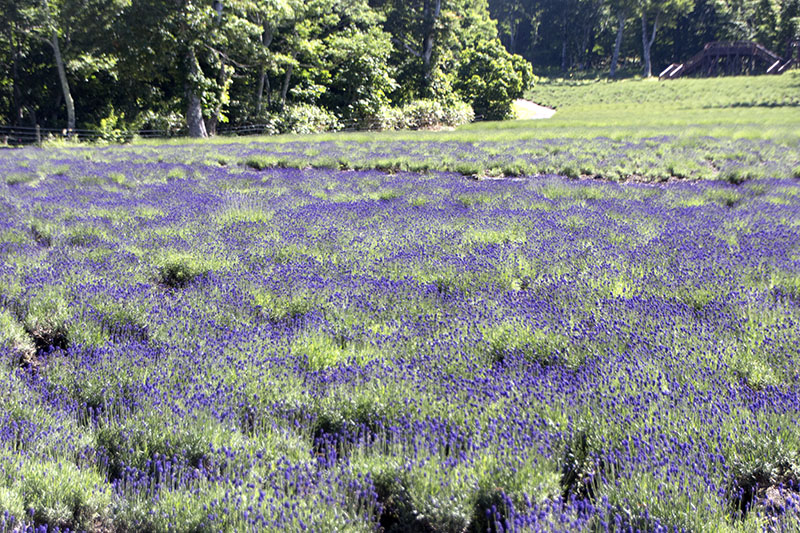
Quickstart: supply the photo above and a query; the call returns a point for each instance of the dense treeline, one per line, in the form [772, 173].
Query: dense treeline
[294, 65]
[645, 34]
[306, 65]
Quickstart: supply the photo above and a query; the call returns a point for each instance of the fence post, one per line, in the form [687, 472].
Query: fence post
[38, 136]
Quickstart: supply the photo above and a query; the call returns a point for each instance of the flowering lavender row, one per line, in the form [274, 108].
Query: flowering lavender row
[653, 160]
[189, 346]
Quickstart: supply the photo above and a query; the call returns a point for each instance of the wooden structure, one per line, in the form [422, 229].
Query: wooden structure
[729, 59]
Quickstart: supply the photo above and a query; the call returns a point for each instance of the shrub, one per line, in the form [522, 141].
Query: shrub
[46, 320]
[178, 270]
[323, 351]
[63, 495]
[427, 114]
[303, 119]
[43, 232]
[491, 79]
[739, 175]
[278, 307]
[12, 503]
[20, 178]
[167, 122]
[542, 345]
[110, 129]
[13, 335]
[386, 118]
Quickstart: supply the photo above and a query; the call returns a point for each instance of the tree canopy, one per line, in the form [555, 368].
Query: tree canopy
[195, 66]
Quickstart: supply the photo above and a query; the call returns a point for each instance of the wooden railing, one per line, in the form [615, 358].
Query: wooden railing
[739, 57]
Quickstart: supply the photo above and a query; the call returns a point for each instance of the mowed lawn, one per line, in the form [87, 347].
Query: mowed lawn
[585, 323]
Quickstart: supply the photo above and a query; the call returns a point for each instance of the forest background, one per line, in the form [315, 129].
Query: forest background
[198, 66]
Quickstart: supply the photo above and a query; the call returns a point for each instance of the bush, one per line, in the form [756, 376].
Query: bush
[47, 318]
[303, 119]
[12, 508]
[386, 118]
[178, 270]
[111, 129]
[491, 79]
[63, 495]
[419, 115]
[167, 123]
[13, 335]
[427, 114]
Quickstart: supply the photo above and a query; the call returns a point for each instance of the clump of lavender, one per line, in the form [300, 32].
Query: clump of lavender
[187, 346]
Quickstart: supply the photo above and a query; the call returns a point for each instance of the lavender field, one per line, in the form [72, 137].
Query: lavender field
[188, 343]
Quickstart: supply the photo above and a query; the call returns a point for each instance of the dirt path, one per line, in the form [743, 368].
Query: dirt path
[527, 110]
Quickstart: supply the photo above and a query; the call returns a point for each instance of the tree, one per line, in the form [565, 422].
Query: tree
[188, 44]
[415, 27]
[657, 9]
[789, 27]
[428, 37]
[11, 52]
[356, 66]
[42, 22]
[621, 9]
[765, 25]
[334, 53]
[511, 15]
[270, 16]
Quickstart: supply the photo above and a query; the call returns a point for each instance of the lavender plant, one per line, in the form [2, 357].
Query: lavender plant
[230, 348]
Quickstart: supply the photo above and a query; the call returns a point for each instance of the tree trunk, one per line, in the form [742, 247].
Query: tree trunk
[263, 78]
[433, 10]
[17, 94]
[618, 43]
[647, 44]
[512, 36]
[224, 80]
[194, 106]
[263, 83]
[62, 78]
[285, 89]
[585, 53]
[564, 42]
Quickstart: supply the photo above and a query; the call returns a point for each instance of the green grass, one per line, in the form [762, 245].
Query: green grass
[737, 129]
[749, 107]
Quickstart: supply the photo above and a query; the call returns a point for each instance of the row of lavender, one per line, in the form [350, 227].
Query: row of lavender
[626, 157]
[213, 348]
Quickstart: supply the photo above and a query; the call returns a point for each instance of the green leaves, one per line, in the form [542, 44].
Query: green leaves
[490, 79]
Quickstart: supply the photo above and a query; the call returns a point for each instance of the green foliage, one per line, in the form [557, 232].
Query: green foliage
[303, 119]
[63, 495]
[133, 65]
[111, 128]
[20, 178]
[12, 502]
[430, 114]
[737, 176]
[360, 76]
[48, 317]
[490, 79]
[177, 270]
[13, 335]
[542, 345]
[323, 350]
[282, 307]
